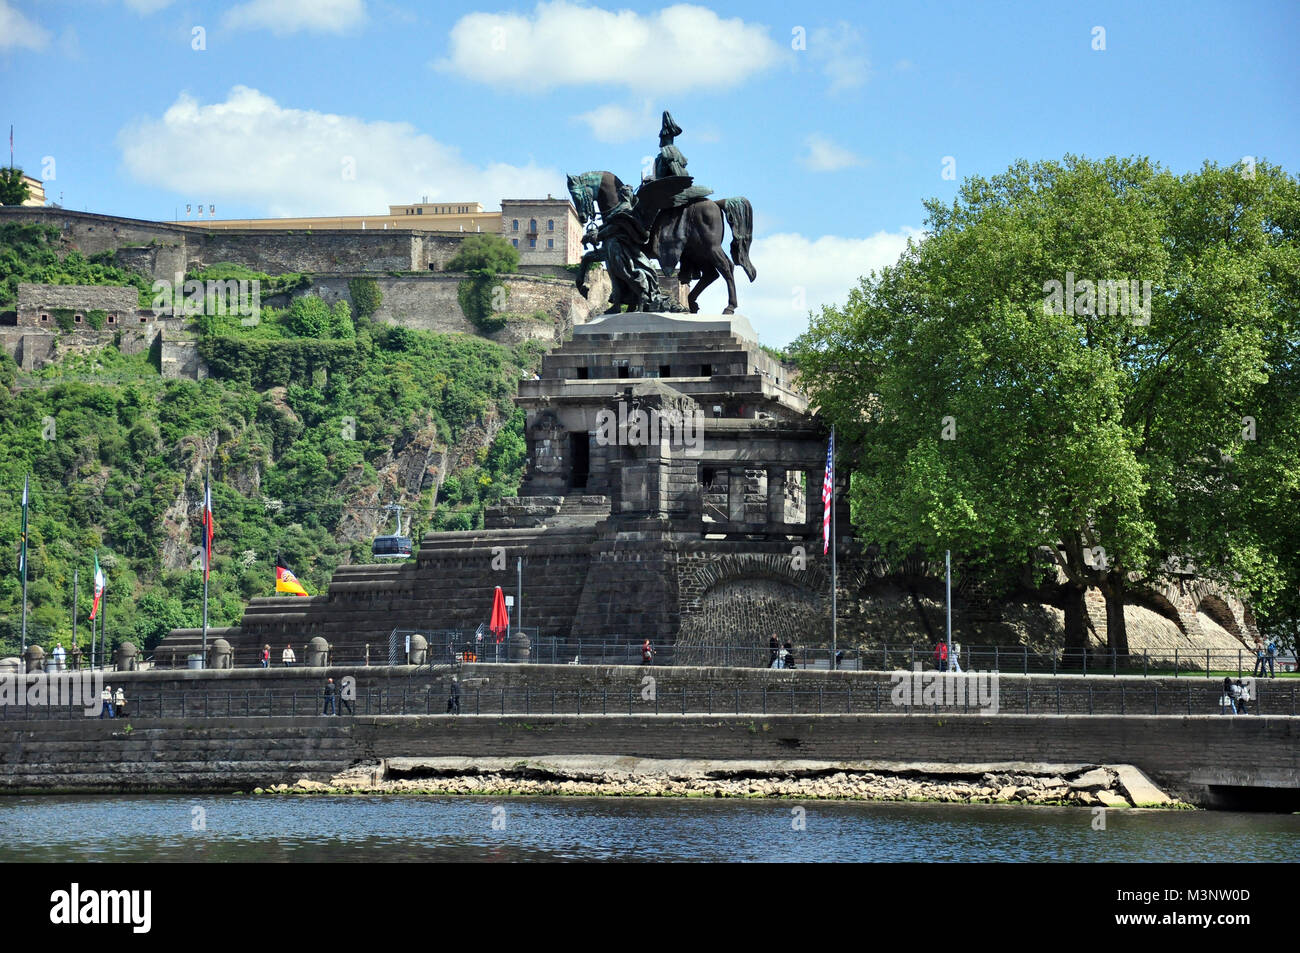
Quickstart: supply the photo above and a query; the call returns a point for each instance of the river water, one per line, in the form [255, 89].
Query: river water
[308, 829]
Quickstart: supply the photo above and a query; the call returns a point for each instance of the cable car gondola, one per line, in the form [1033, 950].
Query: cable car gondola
[392, 547]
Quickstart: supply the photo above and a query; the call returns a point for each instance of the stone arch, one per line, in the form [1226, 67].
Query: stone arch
[738, 601]
[1217, 610]
[1160, 605]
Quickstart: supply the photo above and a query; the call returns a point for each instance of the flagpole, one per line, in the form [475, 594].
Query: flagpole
[75, 572]
[207, 558]
[23, 557]
[834, 580]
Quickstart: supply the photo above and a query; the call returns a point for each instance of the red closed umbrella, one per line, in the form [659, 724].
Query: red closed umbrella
[500, 619]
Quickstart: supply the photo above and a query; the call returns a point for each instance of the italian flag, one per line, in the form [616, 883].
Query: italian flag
[100, 584]
[285, 581]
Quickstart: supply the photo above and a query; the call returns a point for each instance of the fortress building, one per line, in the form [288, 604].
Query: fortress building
[546, 231]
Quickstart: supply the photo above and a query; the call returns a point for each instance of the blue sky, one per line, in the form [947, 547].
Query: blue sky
[834, 119]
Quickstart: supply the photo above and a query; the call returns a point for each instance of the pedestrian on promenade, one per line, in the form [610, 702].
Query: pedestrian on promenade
[774, 650]
[76, 656]
[956, 656]
[453, 700]
[941, 656]
[1271, 655]
[1228, 700]
[647, 653]
[57, 656]
[788, 657]
[266, 656]
[1260, 655]
[287, 656]
[119, 703]
[106, 702]
[329, 698]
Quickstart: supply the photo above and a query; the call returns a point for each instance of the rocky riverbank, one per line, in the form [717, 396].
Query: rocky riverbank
[588, 776]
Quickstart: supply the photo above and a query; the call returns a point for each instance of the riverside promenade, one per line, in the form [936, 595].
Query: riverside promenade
[237, 730]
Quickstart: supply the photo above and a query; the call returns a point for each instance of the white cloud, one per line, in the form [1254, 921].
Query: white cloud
[797, 275]
[614, 123]
[293, 161]
[18, 32]
[840, 52]
[823, 155]
[147, 6]
[675, 49]
[290, 16]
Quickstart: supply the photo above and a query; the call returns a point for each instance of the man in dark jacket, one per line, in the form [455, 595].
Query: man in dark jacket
[329, 698]
[774, 651]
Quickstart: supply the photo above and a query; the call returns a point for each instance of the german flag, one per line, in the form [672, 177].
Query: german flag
[285, 581]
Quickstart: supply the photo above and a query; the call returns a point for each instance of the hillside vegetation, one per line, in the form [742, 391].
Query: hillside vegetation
[311, 422]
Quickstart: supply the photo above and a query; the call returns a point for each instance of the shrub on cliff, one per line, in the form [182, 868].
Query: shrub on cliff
[366, 296]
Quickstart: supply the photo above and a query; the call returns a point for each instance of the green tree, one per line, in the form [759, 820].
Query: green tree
[994, 415]
[485, 253]
[13, 190]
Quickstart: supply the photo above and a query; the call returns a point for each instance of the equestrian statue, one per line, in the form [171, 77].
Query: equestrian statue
[667, 219]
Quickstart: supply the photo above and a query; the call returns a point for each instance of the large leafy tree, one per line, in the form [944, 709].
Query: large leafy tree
[999, 405]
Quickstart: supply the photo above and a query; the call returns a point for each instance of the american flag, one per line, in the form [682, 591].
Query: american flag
[828, 491]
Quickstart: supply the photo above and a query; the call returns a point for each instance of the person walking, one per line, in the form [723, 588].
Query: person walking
[106, 702]
[787, 656]
[941, 656]
[1270, 656]
[774, 650]
[1228, 700]
[329, 698]
[346, 693]
[266, 656]
[287, 656]
[956, 657]
[76, 657]
[57, 656]
[119, 703]
[647, 653]
[453, 699]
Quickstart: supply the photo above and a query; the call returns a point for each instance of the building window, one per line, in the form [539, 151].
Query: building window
[550, 224]
[580, 373]
[112, 319]
[515, 227]
[532, 224]
[665, 370]
[515, 242]
[532, 243]
[706, 370]
[76, 318]
[45, 317]
[550, 243]
[419, 211]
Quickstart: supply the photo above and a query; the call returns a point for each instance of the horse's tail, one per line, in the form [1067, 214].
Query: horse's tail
[740, 216]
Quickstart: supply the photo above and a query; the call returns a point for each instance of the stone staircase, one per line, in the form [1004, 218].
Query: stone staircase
[581, 509]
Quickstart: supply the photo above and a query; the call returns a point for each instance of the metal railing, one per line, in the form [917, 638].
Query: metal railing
[466, 645]
[1116, 698]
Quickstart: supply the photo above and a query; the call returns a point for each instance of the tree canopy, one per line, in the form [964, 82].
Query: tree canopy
[1088, 365]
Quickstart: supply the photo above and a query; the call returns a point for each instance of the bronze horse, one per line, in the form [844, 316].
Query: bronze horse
[690, 235]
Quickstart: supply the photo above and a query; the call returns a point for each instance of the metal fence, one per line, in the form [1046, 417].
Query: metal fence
[469, 645]
[1115, 698]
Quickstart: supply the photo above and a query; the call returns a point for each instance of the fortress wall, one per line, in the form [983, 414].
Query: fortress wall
[327, 251]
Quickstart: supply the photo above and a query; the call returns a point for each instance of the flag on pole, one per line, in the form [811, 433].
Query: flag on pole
[828, 493]
[22, 551]
[207, 528]
[100, 585]
[285, 581]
